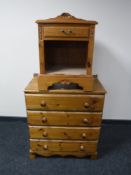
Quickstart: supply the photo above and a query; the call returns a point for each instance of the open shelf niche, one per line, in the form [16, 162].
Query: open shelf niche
[65, 57]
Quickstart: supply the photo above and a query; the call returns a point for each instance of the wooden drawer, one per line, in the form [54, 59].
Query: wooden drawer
[54, 146]
[65, 32]
[52, 118]
[64, 102]
[80, 133]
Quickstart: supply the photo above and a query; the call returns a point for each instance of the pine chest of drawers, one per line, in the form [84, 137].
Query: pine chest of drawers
[64, 123]
[65, 101]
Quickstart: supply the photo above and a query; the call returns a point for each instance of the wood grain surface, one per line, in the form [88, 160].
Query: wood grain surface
[64, 102]
[65, 133]
[53, 118]
[63, 146]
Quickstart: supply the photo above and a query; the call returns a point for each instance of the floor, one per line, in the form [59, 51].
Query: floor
[114, 153]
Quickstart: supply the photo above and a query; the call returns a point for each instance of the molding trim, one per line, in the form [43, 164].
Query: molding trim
[104, 121]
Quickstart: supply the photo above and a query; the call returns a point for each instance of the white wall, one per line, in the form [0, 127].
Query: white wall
[19, 49]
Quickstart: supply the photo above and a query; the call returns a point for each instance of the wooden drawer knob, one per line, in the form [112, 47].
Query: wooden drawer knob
[86, 105]
[85, 120]
[43, 103]
[45, 134]
[62, 30]
[82, 148]
[45, 147]
[44, 119]
[69, 31]
[83, 135]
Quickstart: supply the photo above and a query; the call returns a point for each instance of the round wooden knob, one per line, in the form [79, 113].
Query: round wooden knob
[69, 31]
[45, 134]
[81, 148]
[43, 104]
[45, 147]
[84, 135]
[62, 31]
[44, 119]
[86, 105]
[85, 120]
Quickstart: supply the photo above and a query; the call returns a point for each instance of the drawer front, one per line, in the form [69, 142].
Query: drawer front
[41, 132]
[73, 32]
[53, 118]
[62, 146]
[64, 102]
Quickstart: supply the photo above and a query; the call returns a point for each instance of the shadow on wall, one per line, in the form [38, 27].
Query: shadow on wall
[116, 80]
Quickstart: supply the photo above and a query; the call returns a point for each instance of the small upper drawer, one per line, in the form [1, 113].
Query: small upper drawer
[73, 32]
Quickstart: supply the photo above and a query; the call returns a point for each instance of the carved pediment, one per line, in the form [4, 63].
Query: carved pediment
[66, 18]
[65, 15]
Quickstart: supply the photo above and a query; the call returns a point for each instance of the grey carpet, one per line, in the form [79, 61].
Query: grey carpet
[114, 154]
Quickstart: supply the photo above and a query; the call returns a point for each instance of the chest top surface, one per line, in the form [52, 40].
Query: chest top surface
[32, 87]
